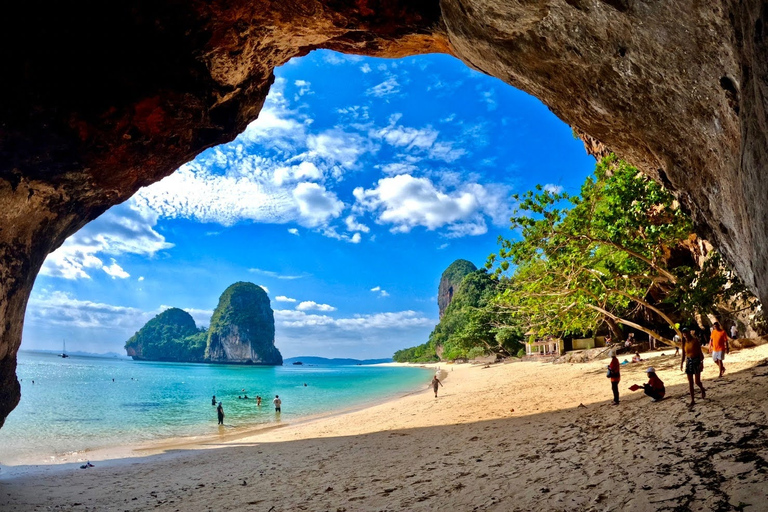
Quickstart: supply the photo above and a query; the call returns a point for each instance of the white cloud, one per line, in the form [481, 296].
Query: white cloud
[302, 171]
[57, 308]
[353, 225]
[420, 141]
[316, 204]
[114, 270]
[365, 68]
[385, 88]
[294, 231]
[303, 88]
[406, 202]
[310, 305]
[276, 275]
[398, 168]
[356, 238]
[553, 189]
[443, 246]
[379, 291]
[338, 147]
[124, 229]
[489, 97]
[141, 278]
[283, 298]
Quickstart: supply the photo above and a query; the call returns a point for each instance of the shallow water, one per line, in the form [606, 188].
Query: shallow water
[75, 405]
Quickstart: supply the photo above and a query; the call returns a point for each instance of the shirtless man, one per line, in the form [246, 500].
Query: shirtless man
[693, 358]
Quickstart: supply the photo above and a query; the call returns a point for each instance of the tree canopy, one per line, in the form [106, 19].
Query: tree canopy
[618, 251]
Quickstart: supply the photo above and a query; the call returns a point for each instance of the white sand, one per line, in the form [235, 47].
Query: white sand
[508, 437]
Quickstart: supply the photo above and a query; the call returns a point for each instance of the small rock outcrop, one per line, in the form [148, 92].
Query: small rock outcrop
[450, 280]
[243, 328]
[170, 336]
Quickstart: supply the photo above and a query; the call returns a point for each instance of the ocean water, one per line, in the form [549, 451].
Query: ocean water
[74, 404]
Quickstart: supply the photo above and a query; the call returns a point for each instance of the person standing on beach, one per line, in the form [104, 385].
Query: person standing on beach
[734, 332]
[220, 413]
[435, 384]
[614, 373]
[693, 358]
[718, 345]
[277, 403]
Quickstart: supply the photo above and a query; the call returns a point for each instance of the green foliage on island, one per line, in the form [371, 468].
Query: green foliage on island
[470, 326]
[450, 281]
[243, 327]
[620, 253]
[170, 336]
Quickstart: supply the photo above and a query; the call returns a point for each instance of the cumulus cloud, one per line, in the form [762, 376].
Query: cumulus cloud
[115, 271]
[283, 298]
[124, 229]
[406, 202]
[398, 168]
[316, 204]
[294, 231]
[310, 305]
[353, 225]
[365, 68]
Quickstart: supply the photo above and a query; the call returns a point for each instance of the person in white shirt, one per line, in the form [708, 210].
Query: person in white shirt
[277, 403]
[734, 332]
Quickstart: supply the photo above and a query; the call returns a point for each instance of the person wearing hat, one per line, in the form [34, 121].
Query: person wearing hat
[654, 388]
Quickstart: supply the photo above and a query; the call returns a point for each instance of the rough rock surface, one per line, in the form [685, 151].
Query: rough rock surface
[243, 328]
[102, 98]
[450, 281]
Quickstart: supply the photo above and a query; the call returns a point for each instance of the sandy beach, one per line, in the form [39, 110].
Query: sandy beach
[518, 436]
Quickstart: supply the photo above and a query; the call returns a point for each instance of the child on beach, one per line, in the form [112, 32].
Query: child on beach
[614, 373]
[718, 345]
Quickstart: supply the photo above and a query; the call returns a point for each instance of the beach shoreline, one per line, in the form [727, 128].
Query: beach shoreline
[501, 437]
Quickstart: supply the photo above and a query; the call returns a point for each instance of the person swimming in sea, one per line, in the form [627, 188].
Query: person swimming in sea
[213, 401]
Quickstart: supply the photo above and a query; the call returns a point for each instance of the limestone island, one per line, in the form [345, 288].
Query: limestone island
[242, 331]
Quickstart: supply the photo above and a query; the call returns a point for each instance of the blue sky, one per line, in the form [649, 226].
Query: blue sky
[359, 183]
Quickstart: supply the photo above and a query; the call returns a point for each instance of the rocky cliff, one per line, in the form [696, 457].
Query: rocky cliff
[243, 328]
[170, 336]
[103, 98]
[450, 280]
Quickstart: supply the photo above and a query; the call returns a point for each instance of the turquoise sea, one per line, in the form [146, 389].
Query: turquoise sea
[84, 403]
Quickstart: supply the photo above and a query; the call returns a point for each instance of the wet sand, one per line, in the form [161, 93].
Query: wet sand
[518, 436]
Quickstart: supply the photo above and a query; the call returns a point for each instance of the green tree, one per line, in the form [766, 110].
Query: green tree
[604, 256]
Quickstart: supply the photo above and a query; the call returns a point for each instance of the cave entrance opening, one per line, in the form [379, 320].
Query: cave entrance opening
[360, 181]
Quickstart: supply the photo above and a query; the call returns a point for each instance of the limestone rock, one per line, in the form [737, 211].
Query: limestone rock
[243, 328]
[450, 281]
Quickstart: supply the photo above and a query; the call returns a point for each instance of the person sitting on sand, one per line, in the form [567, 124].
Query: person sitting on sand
[693, 358]
[654, 388]
[614, 373]
[718, 345]
[435, 383]
[636, 358]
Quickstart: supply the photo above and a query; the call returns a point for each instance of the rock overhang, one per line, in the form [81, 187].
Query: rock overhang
[104, 98]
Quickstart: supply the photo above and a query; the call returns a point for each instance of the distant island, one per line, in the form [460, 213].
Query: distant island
[337, 361]
[242, 331]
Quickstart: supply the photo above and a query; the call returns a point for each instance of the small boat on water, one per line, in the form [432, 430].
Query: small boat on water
[64, 349]
[297, 362]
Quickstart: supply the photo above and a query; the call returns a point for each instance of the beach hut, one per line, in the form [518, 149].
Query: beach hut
[543, 347]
